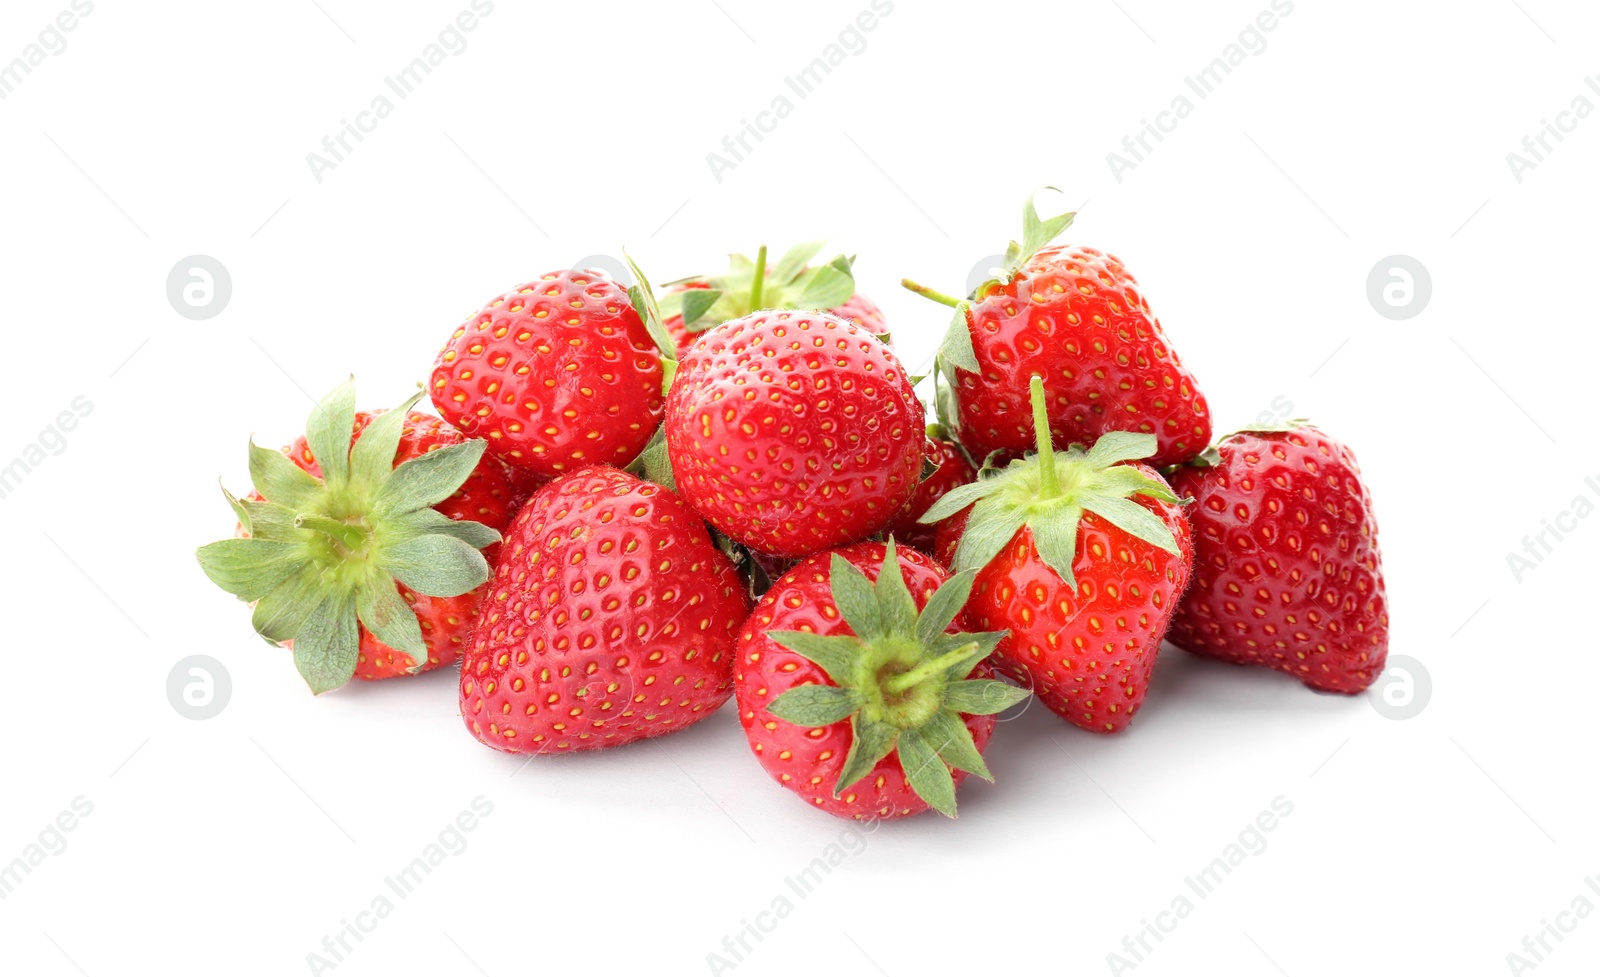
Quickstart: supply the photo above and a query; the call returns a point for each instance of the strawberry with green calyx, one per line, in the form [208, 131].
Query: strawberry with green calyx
[859, 689]
[1075, 317]
[1083, 555]
[696, 304]
[328, 560]
[1288, 573]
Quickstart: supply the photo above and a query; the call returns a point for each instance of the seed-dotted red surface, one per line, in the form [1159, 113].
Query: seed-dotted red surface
[794, 432]
[1075, 317]
[611, 617]
[1087, 654]
[555, 374]
[1287, 568]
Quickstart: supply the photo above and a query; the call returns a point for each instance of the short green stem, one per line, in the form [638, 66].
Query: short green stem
[1049, 488]
[352, 537]
[929, 293]
[906, 680]
[760, 280]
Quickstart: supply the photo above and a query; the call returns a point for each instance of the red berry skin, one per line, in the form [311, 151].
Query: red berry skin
[611, 617]
[1088, 654]
[951, 470]
[485, 497]
[794, 432]
[1075, 317]
[1287, 569]
[556, 374]
[857, 309]
[808, 761]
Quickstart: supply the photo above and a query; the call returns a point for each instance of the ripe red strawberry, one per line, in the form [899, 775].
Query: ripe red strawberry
[950, 469]
[748, 286]
[611, 618]
[1076, 318]
[859, 689]
[556, 374]
[1287, 570]
[1083, 558]
[794, 432]
[370, 565]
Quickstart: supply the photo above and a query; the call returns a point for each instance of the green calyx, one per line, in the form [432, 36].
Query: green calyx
[901, 680]
[1048, 492]
[323, 555]
[644, 302]
[957, 350]
[791, 283]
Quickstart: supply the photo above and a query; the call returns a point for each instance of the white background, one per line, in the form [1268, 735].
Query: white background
[1363, 129]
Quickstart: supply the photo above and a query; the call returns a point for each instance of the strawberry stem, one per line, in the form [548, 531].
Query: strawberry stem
[353, 537]
[906, 680]
[760, 280]
[929, 293]
[1049, 487]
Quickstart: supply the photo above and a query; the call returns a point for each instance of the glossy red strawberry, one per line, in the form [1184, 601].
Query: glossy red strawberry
[611, 617]
[369, 566]
[950, 470]
[794, 432]
[1083, 557]
[555, 374]
[1075, 317]
[748, 286]
[487, 496]
[1287, 569]
[860, 690]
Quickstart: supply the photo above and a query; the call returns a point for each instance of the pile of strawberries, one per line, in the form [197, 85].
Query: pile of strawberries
[633, 510]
